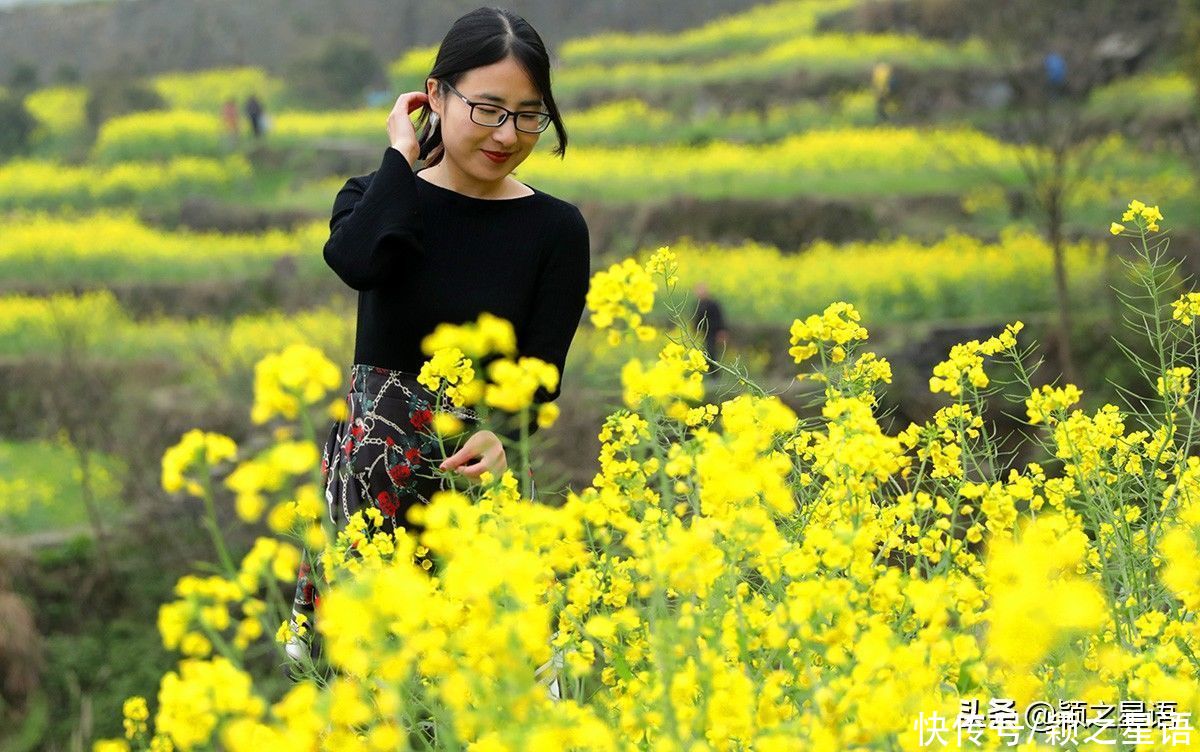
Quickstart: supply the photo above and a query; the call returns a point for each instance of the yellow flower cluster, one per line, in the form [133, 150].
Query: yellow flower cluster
[205, 605]
[202, 694]
[195, 448]
[944, 441]
[1047, 400]
[253, 479]
[293, 379]
[513, 384]
[1087, 442]
[664, 262]
[1145, 217]
[289, 629]
[860, 377]
[1175, 383]
[135, 713]
[1038, 599]
[489, 334]
[1178, 545]
[1186, 308]
[965, 364]
[827, 334]
[676, 377]
[619, 297]
[451, 370]
[853, 453]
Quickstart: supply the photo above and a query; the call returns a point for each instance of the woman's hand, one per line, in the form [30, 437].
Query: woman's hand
[401, 132]
[483, 445]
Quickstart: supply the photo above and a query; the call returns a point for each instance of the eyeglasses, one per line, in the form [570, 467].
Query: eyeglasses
[493, 115]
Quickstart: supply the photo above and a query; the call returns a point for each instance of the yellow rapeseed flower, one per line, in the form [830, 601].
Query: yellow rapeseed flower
[488, 334]
[449, 369]
[1146, 217]
[196, 447]
[284, 382]
[1186, 308]
[1047, 400]
[513, 385]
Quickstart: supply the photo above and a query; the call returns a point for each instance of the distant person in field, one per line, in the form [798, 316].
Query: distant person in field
[710, 322]
[1055, 66]
[254, 113]
[231, 119]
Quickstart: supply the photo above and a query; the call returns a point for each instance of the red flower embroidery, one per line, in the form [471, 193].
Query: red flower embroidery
[421, 418]
[324, 465]
[357, 430]
[399, 473]
[412, 454]
[387, 503]
[389, 441]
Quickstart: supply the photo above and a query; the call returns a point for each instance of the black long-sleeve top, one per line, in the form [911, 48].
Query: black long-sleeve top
[419, 254]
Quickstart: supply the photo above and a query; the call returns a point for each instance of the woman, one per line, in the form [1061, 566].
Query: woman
[443, 244]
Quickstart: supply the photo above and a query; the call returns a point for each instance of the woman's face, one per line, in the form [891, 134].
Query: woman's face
[466, 142]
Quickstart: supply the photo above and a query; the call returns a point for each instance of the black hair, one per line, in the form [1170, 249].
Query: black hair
[482, 37]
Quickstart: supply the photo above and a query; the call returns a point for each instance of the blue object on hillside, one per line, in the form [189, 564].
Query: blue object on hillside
[1056, 69]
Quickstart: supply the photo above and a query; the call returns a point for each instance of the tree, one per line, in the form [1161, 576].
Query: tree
[22, 79]
[112, 96]
[1050, 57]
[16, 126]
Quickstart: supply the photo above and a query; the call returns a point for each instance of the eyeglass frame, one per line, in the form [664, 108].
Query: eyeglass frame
[507, 112]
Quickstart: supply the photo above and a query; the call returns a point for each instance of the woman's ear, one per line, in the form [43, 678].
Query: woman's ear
[433, 96]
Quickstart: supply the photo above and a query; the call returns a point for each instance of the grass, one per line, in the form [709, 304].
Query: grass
[40, 488]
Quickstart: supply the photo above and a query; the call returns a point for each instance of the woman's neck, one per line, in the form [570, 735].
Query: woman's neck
[444, 175]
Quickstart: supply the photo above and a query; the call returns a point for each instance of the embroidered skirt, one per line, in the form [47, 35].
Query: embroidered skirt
[382, 455]
[385, 453]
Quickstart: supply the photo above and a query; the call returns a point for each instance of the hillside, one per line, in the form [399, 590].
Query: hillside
[150, 36]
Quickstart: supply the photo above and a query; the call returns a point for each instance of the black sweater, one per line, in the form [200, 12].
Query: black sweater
[420, 254]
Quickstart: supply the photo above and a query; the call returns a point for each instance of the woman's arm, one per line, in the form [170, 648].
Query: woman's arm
[557, 308]
[365, 213]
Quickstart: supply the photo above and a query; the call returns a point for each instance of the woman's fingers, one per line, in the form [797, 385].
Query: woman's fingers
[456, 459]
[401, 132]
[493, 461]
[475, 469]
[483, 447]
[468, 450]
[416, 99]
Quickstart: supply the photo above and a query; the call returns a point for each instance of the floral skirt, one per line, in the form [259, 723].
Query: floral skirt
[384, 454]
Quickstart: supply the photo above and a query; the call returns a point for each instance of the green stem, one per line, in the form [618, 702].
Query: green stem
[210, 522]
